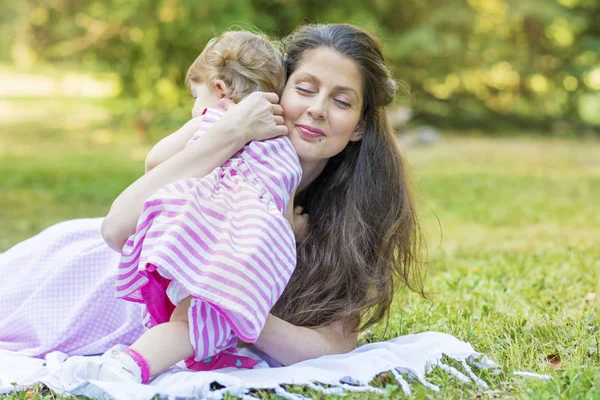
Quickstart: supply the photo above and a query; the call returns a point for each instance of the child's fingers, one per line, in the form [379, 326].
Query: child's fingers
[300, 224]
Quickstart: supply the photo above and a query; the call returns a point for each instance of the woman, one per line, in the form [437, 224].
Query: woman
[362, 239]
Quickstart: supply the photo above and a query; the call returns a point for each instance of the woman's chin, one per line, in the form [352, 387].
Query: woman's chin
[311, 151]
[306, 151]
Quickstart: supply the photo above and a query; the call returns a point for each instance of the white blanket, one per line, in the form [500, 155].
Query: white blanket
[408, 357]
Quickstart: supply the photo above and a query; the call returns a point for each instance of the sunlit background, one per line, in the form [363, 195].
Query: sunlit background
[88, 86]
[470, 64]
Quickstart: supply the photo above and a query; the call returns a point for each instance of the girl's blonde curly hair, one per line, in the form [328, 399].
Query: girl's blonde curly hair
[245, 61]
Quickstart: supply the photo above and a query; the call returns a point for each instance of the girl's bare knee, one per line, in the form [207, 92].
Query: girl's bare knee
[181, 311]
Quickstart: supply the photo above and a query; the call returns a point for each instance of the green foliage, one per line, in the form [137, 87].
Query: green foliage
[468, 63]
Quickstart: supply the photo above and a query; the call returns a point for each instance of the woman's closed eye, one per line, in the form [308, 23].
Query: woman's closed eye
[305, 90]
[309, 90]
[343, 103]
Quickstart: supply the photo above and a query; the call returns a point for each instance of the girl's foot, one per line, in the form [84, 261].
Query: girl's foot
[114, 366]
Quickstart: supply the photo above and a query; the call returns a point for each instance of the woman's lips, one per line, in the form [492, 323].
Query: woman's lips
[310, 132]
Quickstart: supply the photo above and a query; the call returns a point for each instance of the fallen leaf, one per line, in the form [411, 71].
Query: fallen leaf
[383, 379]
[554, 360]
[31, 393]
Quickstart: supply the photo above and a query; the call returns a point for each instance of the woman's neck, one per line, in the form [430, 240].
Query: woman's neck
[310, 171]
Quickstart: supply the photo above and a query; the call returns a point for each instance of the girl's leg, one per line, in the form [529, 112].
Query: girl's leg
[166, 344]
[157, 349]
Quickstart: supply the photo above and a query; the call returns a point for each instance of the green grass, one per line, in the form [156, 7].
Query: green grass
[512, 226]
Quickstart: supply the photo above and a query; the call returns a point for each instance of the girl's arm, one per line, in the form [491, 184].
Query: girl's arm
[289, 211]
[257, 117]
[289, 344]
[175, 142]
[172, 144]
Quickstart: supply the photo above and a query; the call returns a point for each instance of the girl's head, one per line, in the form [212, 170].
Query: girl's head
[233, 65]
[364, 236]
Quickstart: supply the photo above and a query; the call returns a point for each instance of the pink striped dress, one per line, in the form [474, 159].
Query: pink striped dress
[223, 240]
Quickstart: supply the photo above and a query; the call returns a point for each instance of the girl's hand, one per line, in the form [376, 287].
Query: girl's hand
[257, 117]
[300, 224]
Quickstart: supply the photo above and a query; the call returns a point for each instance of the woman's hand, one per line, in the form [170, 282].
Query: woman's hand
[257, 117]
[300, 224]
[261, 116]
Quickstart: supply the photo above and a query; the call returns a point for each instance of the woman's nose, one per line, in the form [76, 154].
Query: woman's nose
[318, 109]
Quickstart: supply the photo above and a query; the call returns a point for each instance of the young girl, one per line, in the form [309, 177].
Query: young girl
[211, 256]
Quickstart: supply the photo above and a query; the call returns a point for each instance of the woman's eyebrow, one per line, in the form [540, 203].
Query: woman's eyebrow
[337, 88]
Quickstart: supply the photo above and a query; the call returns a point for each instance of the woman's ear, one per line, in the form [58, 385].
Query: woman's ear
[359, 132]
[222, 88]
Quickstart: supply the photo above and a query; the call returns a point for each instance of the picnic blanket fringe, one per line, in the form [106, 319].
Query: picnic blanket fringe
[407, 359]
[349, 384]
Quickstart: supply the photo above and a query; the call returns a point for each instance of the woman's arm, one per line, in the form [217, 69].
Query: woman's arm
[289, 344]
[257, 117]
[194, 161]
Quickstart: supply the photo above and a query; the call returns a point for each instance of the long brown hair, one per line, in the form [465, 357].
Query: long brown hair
[364, 238]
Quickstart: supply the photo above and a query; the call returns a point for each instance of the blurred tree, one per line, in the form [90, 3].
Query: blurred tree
[467, 62]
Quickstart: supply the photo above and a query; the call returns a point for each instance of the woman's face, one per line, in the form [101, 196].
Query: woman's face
[322, 103]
